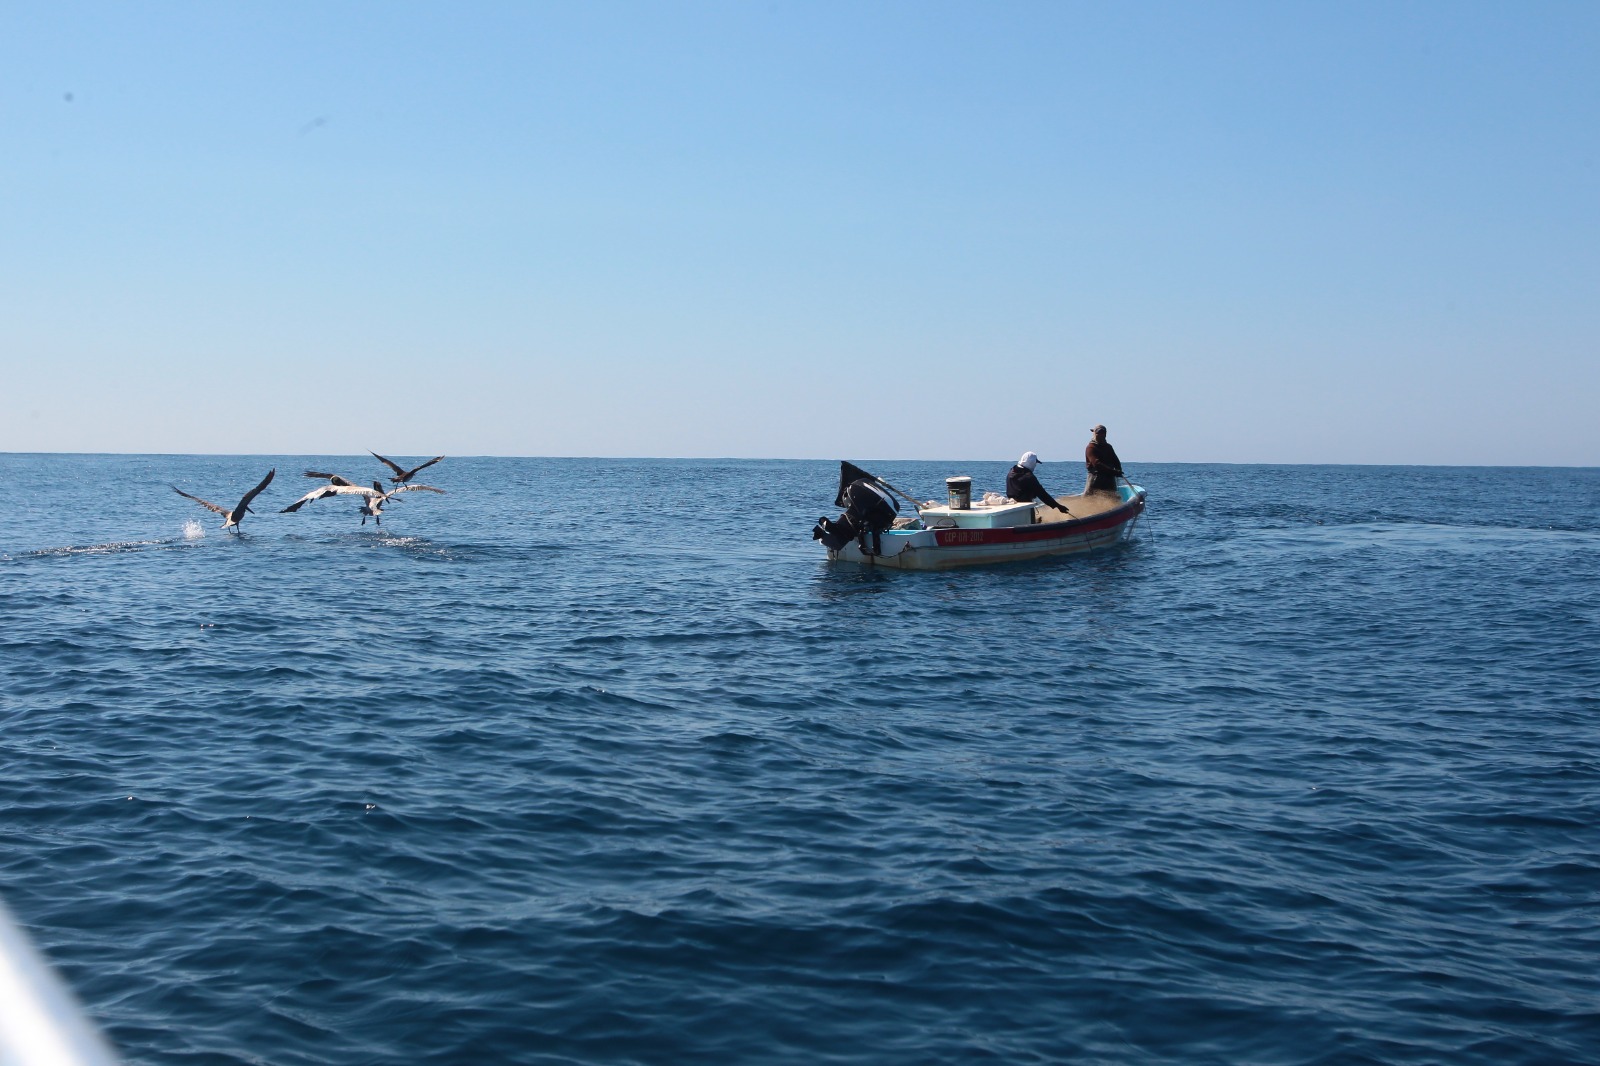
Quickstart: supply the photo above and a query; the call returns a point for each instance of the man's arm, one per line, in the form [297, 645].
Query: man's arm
[1040, 494]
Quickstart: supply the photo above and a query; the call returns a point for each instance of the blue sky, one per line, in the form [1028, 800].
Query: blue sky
[1232, 232]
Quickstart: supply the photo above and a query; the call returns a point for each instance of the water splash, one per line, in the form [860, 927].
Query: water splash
[193, 530]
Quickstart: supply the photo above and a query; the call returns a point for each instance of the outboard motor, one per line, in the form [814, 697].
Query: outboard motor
[868, 512]
[834, 533]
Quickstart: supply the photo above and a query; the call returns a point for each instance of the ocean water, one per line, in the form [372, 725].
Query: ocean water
[599, 761]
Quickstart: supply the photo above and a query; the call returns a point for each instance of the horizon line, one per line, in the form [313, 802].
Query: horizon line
[822, 459]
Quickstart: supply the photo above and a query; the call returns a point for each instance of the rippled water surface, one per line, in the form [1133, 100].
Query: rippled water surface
[597, 761]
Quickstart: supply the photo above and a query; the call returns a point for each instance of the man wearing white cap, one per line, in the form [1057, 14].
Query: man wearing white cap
[1022, 484]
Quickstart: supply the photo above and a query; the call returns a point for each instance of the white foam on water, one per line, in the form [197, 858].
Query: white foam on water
[193, 530]
[97, 549]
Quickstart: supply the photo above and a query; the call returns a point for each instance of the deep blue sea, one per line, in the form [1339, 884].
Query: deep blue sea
[600, 761]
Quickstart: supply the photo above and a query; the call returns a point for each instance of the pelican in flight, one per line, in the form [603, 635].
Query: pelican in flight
[231, 519]
[401, 474]
[372, 500]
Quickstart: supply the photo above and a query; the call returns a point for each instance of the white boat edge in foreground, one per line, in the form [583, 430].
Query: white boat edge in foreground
[41, 1023]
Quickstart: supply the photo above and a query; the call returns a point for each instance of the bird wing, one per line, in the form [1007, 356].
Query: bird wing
[415, 488]
[409, 474]
[203, 503]
[391, 464]
[253, 493]
[346, 489]
[314, 494]
[334, 478]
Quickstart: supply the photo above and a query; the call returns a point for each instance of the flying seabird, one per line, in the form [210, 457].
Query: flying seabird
[230, 519]
[402, 475]
[372, 500]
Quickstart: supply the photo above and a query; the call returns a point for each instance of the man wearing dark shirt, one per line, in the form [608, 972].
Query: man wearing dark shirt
[1104, 466]
[1022, 484]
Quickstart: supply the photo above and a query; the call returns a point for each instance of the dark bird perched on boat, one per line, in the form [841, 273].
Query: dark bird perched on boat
[401, 474]
[372, 500]
[230, 519]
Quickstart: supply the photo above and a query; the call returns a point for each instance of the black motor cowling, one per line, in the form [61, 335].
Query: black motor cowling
[868, 510]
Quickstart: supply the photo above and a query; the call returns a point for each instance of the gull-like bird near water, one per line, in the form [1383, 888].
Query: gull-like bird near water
[401, 474]
[372, 500]
[231, 519]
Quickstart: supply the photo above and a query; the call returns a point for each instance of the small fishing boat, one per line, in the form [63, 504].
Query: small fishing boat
[994, 530]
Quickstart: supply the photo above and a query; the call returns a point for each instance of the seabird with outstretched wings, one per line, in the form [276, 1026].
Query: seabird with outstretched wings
[337, 486]
[372, 500]
[231, 519]
[401, 474]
